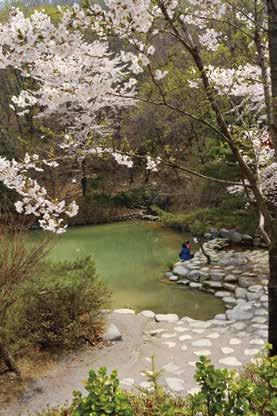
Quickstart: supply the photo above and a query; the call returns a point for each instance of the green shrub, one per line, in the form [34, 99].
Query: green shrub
[104, 397]
[60, 307]
[223, 393]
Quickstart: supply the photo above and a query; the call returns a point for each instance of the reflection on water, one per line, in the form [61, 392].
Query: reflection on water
[131, 257]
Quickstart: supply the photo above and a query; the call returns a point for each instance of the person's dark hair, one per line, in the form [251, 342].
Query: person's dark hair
[187, 242]
[184, 245]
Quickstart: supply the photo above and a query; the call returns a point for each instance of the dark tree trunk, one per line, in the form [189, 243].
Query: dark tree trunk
[272, 38]
[272, 292]
[272, 191]
[7, 359]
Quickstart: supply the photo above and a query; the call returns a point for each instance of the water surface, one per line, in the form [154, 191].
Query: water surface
[131, 257]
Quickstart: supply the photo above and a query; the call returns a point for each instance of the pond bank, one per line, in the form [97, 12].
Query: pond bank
[239, 278]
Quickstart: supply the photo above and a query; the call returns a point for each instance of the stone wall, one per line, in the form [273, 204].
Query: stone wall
[239, 278]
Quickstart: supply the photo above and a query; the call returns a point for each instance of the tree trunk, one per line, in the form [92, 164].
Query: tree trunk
[7, 359]
[272, 38]
[272, 292]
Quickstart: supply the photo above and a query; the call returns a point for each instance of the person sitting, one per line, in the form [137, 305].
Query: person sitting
[185, 252]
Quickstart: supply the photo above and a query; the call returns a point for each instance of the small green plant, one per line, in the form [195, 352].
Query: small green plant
[104, 397]
[223, 393]
[226, 392]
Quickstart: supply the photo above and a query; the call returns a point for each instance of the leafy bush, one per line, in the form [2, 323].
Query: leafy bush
[59, 307]
[104, 397]
[223, 393]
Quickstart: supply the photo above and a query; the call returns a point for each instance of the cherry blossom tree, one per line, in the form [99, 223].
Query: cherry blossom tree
[78, 82]
[237, 93]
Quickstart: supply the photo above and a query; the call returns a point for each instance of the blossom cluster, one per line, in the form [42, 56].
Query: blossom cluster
[34, 200]
[76, 81]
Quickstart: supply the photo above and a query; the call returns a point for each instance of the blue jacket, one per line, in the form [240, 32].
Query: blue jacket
[185, 254]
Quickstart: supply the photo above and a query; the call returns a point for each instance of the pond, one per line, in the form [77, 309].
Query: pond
[132, 257]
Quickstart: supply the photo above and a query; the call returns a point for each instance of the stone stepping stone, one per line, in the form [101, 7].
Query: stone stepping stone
[200, 324]
[187, 319]
[198, 331]
[202, 343]
[172, 335]
[154, 332]
[172, 368]
[170, 344]
[255, 288]
[259, 320]
[213, 335]
[250, 351]
[230, 361]
[223, 294]
[184, 282]
[238, 326]
[170, 317]
[176, 385]
[180, 329]
[262, 333]
[257, 341]
[235, 341]
[241, 334]
[259, 326]
[124, 311]
[147, 314]
[203, 352]
[185, 337]
[261, 312]
[227, 350]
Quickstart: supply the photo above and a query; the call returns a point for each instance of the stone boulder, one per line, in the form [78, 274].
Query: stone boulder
[245, 281]
[148, 314]
[253, 296]
[112, 333]
[240, 293]
[194, 275]
[213, 284]
[222, 294]
[195, 285]
[239, 314]
[256, 288]
[217, 276]
[173, 278]
[230, 278]
[229, 286]
[180, 270]
[236, 259]
[184, 282]
[170, 317]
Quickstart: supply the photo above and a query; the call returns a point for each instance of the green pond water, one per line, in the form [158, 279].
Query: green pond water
[131, 258]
